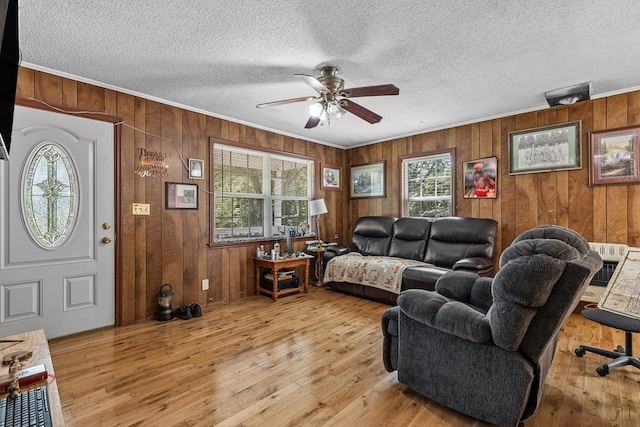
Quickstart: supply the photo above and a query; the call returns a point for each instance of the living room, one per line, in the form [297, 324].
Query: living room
[154, 253]
[174, 246]
[159, 248]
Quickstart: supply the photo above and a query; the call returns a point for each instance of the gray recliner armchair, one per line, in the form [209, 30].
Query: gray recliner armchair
[483, 346]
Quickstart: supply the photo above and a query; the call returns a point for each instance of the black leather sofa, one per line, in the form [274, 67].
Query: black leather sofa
[442, 245]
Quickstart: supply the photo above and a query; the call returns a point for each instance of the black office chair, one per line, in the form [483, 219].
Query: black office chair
[622, 356]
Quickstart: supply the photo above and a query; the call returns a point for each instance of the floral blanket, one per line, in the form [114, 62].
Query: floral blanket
[378, 271]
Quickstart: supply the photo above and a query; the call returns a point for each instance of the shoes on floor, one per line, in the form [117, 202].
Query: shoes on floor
[186, 312]
[183, 312]
[196, 311]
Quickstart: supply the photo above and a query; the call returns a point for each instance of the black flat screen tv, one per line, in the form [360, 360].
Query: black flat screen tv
[9, 59]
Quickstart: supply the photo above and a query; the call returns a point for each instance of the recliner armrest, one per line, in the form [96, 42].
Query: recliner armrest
[466, 287]
[448, 316]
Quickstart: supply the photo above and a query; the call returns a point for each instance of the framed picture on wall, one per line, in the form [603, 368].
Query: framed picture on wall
[181, 196]
[544, 149]
[480, 178]
[368, 180]
[196, 169]
[615, 157]
[330, 177]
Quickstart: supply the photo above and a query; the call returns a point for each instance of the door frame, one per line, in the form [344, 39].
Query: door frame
[117, 177]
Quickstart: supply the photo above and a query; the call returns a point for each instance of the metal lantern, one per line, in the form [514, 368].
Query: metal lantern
[165, 312]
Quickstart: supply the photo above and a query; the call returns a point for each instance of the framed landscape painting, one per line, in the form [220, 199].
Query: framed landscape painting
[615, 156]
[368, 180]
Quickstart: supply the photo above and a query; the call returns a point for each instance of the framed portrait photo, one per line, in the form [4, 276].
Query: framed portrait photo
[196, 169]
[181, 196]
[615, 156]
[480, 178]
[544, 149]
[330, 177]
[368, 180]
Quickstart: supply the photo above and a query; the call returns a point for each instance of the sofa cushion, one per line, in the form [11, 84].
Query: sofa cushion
[372, 235]
[455, 238]
[410, 238]
[383, 272]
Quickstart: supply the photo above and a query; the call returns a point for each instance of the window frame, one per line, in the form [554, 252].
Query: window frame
[265, 195]
[403, 184]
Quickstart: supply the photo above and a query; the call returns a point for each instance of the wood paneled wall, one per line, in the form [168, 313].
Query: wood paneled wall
[170, 246]
[600, 213]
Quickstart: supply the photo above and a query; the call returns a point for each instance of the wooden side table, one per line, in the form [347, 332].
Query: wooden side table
[275, 265]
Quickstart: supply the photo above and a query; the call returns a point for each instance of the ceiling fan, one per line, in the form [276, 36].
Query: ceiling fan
[333, 99]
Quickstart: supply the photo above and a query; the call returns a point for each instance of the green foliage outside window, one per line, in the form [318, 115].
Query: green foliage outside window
[428, 186]
[244, 207]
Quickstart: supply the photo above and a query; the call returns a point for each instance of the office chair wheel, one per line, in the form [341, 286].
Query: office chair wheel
[580, 352]
[602, 370]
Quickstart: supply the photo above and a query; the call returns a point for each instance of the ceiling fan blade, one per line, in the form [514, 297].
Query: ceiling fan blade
[313, 82]
[312, 122]
[287, 101]
[378, 90]
[360, 111]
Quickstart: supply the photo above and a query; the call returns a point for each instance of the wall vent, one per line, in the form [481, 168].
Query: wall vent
[611, 254]
[609, 251]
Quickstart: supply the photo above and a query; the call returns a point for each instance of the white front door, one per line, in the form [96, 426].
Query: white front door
[57, 225]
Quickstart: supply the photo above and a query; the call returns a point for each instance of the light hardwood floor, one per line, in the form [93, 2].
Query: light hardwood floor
[305, 360]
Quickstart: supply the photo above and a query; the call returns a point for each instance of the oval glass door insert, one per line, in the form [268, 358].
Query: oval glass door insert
[50, 195]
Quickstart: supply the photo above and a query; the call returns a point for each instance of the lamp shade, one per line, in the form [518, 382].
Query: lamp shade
[317, 207]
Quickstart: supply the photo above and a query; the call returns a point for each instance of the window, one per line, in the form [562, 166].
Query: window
[50, 196]
[428, 186]
[258, 195]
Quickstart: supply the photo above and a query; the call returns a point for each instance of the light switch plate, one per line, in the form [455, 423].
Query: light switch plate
[141, 209]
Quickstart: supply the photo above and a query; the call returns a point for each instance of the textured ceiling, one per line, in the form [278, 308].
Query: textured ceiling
[454, 61]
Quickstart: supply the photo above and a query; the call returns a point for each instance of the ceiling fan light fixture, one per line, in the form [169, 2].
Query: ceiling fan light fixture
[331, 98]
[335, 110]
[324, 115]
[316, 109]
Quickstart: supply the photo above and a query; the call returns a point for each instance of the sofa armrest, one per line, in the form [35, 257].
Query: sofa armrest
[338, 249]
[479, 265]
[448, 316]
[334, 251]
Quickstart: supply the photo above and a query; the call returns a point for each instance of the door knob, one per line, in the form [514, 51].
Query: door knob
[106, 226]
[106, 240]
